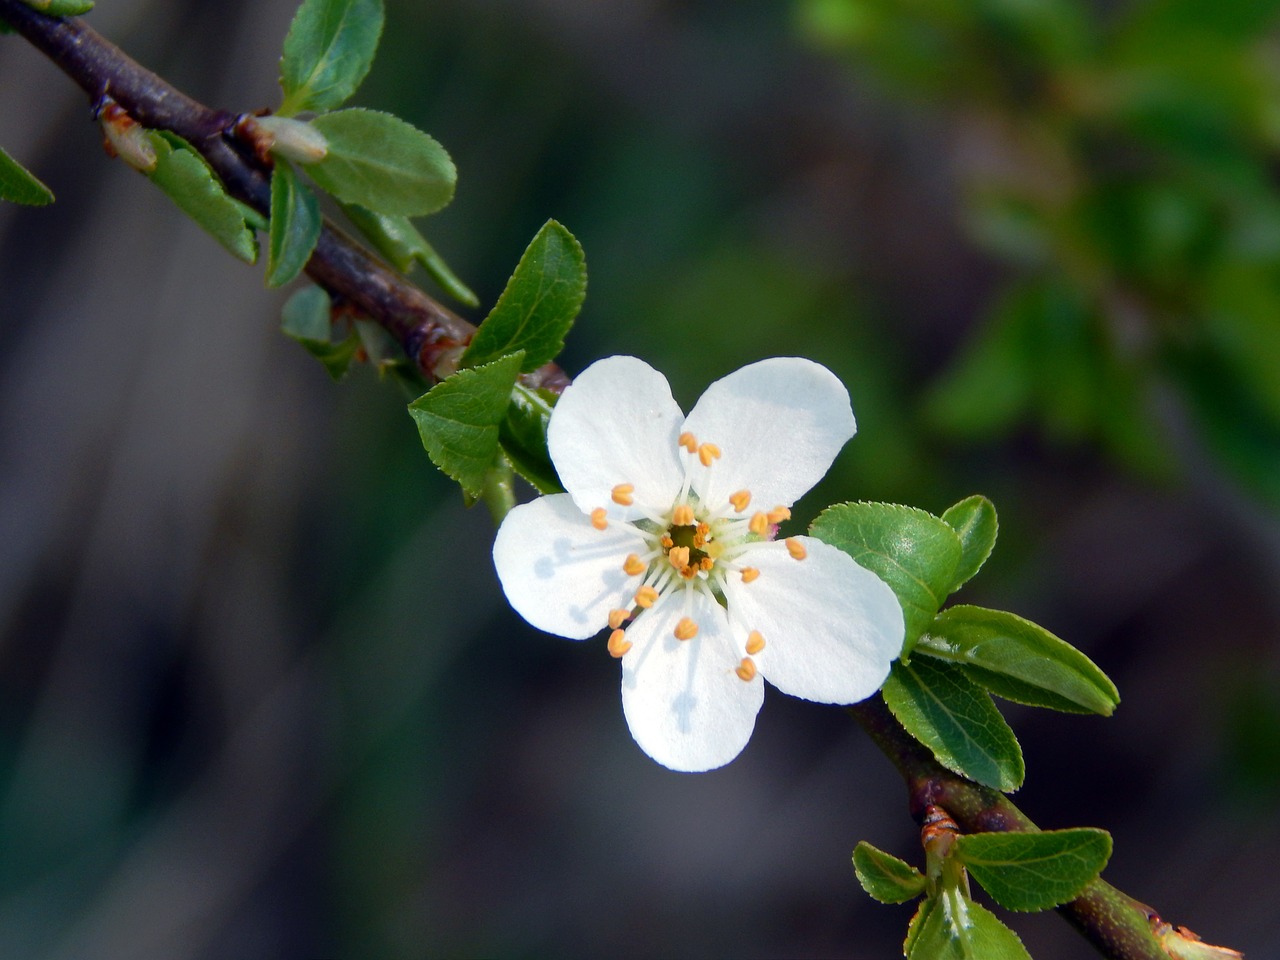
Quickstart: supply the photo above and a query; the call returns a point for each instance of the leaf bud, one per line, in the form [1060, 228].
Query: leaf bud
[125, 138]
[286, 137]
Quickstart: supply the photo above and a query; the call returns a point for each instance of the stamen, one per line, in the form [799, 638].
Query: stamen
[746, 670]
[599, 518]
[755, 642]
[708, 452]
[706, 563]
[682, 516]
[618, 644]
[759, 524]
[688, 441]
[618, 617]
[778, 514]
[740, 500]
[796, 549]
[622, 494]
[679, 557]
[749, 574]
[633, 566]
[686, 629]
[667, 542]
[646, 597]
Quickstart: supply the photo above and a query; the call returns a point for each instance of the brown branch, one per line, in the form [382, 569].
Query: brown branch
[430, 334]
[1118, 926]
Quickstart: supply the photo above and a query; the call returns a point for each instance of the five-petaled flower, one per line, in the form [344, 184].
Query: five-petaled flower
[666, 536]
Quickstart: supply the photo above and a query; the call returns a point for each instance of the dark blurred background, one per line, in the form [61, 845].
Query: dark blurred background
[260, 695]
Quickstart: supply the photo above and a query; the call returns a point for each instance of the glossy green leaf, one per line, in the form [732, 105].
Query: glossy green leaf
[884, 876]
[61, 8]
[327, 52]
[1034, 871]
[308, 319]
[397, 239]
[974, 521]
[956, 720]
[19, 185]
[539, 304]
[294, 226]
[459, 420]
[189, 182]
[952, 927]
[912, 551]
[380, 162]
[524, 438]
[1019, 660]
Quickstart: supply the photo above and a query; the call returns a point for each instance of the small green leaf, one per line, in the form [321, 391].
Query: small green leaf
[1034, 871]
[884, 876]
[294, 227]
[539, 304]
[974, 521]
[912, 551]
[1019, 660]
[953, 927]
[328, 51]
[397, 239]
[307, 318]
[524, 438]
[383, 163]
[61, 8]
[459, 419]
[20, 185]
[957, 721]
[189, 182]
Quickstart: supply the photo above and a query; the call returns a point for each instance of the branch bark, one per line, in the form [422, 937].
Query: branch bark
[430, 334]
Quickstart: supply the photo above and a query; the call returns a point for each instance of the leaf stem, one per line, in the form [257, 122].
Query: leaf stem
[1118, 926]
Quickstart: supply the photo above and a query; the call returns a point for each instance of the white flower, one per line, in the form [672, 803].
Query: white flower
[667, 529]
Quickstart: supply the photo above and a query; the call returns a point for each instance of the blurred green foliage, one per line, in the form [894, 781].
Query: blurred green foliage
[1118, 159]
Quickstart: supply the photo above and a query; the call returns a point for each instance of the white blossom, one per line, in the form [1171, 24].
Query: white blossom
[666, 536]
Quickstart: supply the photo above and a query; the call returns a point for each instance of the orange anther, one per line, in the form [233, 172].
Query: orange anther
[708, 452]
[682, 516]
[618, 644]
[796, 549]
[622, 494]
[679, 557]
[755, 642]
[686, 629]
[646, 597]
[778, 514]
[688, 441]
[617, 618]
[740, 500]
[749, 574]
[759, 524]
[633, 566]
[599, 518]
[746, 670]
[706, 563]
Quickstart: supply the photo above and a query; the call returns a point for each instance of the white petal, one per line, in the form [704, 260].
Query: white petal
[618, 423]
[559, 572]
[831, 627]
[778, 423]
[684, 703]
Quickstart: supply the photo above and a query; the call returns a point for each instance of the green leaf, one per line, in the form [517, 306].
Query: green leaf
[327, 53]
[884, 876]
[539, 304]
[383, 163]
[974, 521]
[1034, 871]
[957, 721]
[397, 239]
[308, 319]
[189, 182]
[61, 8]
[1019, 660]
[524, 438]
[912, 551]
[20, 185]
[953, 927]
[294, 226]
[459, 419]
